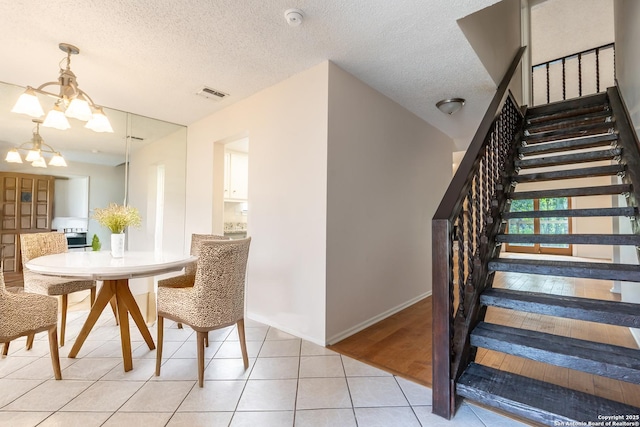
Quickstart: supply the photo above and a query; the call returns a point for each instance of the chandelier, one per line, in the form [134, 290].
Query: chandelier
[71, 100]
[34, 149]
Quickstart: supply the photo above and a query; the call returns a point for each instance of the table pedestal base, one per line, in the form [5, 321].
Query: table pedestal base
[126, 304]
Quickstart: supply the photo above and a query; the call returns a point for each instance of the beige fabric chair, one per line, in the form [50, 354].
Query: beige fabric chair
[216, 299]
[186, 280]
[39, 244]
[25, 314]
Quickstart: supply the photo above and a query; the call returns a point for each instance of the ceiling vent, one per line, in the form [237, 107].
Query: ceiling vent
[210, 93]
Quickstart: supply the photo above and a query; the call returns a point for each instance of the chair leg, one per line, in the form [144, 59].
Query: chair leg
[201, 337]
[63, 322]
[243, 343]
[206, 339]
[114, 307]
[30, 338]
[179, 325]
[53, 346]
[92, 297]
[5, 350]
[160, 326]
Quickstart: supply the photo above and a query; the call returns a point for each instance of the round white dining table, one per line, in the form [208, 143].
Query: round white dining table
[115, 274]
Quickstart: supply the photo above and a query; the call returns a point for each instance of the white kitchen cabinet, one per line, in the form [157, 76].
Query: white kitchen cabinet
[236, 176]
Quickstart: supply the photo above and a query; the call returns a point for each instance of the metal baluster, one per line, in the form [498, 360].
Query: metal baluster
[547, 82]
[579, 74]
[597, 70]
[468, 250]
[460, 239]
[564, 80]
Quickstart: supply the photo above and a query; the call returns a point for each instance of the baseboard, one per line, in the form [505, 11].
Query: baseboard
[364, 325]
[283, 328]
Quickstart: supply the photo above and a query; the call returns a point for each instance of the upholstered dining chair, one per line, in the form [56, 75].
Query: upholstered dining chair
[25, 314]
[216, 299]
[188, 278]
[39, 244]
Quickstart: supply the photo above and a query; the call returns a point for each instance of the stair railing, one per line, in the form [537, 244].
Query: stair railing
[628, 140]
[463, 238]
[575, 60]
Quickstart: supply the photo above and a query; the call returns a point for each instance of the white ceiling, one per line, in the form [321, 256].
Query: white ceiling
[150, 57]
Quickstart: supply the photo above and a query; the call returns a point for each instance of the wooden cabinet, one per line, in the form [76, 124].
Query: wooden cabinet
[26, 203]
[236, 176]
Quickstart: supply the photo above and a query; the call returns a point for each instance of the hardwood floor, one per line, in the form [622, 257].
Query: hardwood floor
[401, 344]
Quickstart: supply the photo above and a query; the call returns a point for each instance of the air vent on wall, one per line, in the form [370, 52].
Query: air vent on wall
[210, 93]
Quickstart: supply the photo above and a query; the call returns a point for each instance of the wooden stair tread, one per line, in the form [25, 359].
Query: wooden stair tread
[593, 270]
[573, 239]
[575, 106]
[573, 213]
[573, 132]
[611, 361]
[593, 310]
[570, 173]
[564, 122]
[533, 399]
[565, 159]
[569, 144]
[572, 192]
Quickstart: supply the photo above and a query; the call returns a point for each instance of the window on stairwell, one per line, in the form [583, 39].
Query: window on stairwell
[540, 225]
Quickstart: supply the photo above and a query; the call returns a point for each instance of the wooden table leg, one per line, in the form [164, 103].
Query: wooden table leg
[123, 317]
[104, 296]
[125, 296]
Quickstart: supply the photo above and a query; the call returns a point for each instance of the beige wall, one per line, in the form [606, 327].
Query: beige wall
[627, 17]
[287, 129]
[387, 171]
[563, 27]
[495, 34]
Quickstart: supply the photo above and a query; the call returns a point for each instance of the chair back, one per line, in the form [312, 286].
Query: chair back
[196, 241]
[34, 245]
[220, 279]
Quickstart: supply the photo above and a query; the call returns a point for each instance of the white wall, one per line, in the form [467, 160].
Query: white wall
[387, 171]
[627, 34]
[170, 153]
[287, 128]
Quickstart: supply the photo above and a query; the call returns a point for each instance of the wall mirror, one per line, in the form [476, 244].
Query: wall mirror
[143, 160]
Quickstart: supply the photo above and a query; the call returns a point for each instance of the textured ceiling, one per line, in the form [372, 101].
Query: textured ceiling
[150, 57]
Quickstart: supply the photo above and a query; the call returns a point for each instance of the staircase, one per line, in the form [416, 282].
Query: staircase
[578, 133]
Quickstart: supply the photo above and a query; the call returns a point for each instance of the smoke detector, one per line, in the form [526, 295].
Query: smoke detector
[293, 17]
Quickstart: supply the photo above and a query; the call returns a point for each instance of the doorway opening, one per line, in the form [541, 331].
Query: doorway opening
[236, 188]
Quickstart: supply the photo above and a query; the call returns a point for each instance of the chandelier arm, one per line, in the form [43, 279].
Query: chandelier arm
[87, 97]
[39, 89]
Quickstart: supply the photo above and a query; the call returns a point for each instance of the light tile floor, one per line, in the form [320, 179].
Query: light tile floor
[290, 382]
